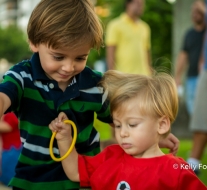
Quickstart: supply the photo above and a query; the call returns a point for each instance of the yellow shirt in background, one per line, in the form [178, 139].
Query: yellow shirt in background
[104, 129]
[132, 41]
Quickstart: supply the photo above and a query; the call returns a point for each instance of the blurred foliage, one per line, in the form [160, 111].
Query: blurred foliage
[13, 44]
[158, 14]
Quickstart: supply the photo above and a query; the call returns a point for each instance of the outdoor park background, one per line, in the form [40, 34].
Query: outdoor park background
[168, 23]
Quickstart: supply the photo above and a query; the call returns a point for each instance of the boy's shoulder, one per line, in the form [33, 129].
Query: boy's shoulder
[23, 63]
[91, 72]
[88, 78]
[19, 69]
[175, 159]
[177, 163]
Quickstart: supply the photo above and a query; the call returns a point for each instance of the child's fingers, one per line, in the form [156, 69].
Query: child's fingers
[66, 126]
[58, 125]
[174, 150]
[54, 125]
[62, 116]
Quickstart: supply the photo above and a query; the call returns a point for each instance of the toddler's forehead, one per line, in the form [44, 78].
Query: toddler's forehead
[137, 106]
[124, 107]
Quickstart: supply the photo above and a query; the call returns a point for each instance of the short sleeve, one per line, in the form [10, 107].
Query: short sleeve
[13, 85]
[87, 165]
[112, 34]
[185, 43]
[104, 113]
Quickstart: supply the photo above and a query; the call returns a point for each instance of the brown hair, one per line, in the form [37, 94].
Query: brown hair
[65, 23]
[156, 95]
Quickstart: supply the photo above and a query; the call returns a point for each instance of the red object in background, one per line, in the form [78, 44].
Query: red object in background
[12, 138]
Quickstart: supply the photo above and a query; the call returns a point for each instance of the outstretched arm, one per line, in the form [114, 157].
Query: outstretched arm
[64, 140]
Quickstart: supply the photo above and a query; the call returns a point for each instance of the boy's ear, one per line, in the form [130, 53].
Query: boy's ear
[33, 47]
[163, 125]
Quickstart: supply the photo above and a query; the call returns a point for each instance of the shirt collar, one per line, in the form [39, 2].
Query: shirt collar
[37, 71]
[126, 18]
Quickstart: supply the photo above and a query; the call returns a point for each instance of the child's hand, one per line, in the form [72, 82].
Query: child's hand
[171, 142]
[63, 130]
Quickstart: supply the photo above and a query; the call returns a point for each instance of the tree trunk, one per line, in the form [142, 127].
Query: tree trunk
[181, 22]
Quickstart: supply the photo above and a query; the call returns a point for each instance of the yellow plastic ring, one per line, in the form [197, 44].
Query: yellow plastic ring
[72, 144]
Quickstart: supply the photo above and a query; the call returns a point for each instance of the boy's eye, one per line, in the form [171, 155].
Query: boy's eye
[81, 58]
[117, 126]
[58, 58]
[132, 125]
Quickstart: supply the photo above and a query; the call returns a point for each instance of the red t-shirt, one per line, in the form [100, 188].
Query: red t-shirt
[114, 169]
[12, 138]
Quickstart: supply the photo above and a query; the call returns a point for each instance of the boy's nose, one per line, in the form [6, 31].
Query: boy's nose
[68, 67]
[123, 132]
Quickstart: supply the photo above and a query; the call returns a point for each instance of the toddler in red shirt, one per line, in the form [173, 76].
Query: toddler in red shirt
[143, 109]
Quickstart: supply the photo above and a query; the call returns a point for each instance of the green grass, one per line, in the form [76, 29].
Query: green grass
[184, 151]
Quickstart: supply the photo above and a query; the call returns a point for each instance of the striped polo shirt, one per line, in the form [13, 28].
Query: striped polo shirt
[38, 100]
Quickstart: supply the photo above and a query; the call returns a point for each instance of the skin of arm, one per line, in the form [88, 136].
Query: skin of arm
[110, 56]
[180, 67]
[5, 127]
[201, 63]
[5, 103]
[202, 58]
[64, 140]
[70, 164]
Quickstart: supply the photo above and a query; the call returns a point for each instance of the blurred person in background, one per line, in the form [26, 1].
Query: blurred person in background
[189, 55]
[198, 123]
[11, 146]
[128, 40]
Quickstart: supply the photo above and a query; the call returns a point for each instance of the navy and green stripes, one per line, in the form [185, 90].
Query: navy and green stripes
[38, 100]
